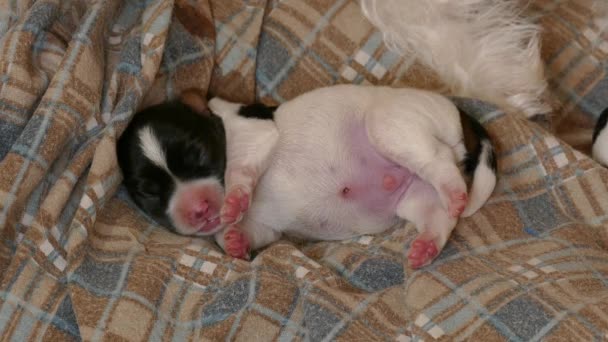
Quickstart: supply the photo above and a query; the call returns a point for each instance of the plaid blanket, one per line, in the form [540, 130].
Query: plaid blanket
[78, 261]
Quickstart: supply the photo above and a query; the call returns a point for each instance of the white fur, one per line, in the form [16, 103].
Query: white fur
[479, 48]
[313, 157]
[151, 147]
[418, 130]
[484, 181]
[249, 144]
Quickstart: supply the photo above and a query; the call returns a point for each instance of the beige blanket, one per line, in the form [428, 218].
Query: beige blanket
[78, 261]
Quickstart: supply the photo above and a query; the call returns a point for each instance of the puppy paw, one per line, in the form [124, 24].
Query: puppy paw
[454, 198]
[422, 251]
[458, 201]
[235, 205]
[236, 243]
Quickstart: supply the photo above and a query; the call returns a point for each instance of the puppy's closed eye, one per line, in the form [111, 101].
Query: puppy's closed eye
[149, 188]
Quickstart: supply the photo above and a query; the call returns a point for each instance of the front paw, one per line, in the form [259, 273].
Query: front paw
[236, 243]
[235, 205]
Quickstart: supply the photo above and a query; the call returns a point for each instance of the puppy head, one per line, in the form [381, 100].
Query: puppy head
[173, 161]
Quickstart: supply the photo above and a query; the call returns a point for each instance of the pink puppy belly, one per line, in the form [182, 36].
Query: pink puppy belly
[376, 183]
[378, 190]
[390, 182]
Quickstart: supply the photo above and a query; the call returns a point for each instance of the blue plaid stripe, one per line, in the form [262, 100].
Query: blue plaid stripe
[117, 264]
[269, 87]
[228, 37]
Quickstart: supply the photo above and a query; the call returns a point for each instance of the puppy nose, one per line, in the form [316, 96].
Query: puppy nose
[198, 212]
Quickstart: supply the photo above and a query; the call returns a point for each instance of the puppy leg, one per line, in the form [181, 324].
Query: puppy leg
[239, 239]
[250, 143]
[421, 206]
[240, 182]
[415, 146]
[247, 160]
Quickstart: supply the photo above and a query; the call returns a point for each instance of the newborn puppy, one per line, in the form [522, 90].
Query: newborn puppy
[348, 160]
[173, 160]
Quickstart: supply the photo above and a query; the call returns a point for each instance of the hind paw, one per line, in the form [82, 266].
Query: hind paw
[422, 251]
[457, 203]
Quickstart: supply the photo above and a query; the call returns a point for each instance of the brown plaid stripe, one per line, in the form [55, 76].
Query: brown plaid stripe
[79, 261]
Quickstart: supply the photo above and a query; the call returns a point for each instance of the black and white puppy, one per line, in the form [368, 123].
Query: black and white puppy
[349, 160]
[330, 164]
[173, 157]
[173, 160]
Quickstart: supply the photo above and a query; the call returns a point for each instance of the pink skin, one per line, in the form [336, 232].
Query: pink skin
[235, 205]
[390, 183]
[425, 247]
[377, 183]
[236, 244]
[380, 197]
[458, 201]
[395, 181]
[395, 178]
[196, 209]
[422, 251]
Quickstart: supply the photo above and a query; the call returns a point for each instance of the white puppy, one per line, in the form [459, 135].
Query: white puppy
[347, 160]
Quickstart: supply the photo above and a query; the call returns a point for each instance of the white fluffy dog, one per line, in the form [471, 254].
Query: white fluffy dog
[483, 49]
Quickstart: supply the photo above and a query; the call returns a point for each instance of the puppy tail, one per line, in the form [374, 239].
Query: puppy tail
[479, 163]
[599, 149]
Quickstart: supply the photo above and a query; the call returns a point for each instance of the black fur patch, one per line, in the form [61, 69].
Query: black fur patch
[257, 111]
[600, 124]
[491, 160]
[194, 146]
[474, 134]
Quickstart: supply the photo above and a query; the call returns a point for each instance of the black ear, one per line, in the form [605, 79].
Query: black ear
[600, 124]
[257, 111]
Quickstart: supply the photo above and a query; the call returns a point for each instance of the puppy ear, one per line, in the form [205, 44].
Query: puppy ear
[194, 99]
